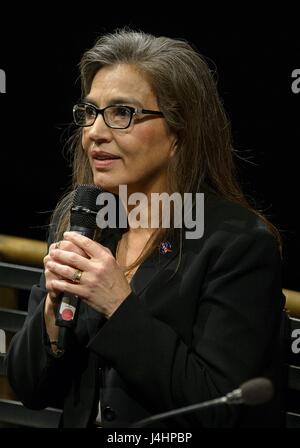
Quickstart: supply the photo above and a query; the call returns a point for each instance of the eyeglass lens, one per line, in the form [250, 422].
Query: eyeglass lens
[114, 116]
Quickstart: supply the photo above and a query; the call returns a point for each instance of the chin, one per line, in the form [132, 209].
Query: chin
[107, 186]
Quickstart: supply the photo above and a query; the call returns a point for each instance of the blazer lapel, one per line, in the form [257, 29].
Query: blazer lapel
[151, 267]
[145, 274]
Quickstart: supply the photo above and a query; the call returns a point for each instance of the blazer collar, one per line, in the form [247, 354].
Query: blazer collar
[147, 271]
[152, 266]
[160, 258]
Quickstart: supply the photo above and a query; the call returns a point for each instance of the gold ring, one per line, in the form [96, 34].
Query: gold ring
[57, 244]
[77, 276]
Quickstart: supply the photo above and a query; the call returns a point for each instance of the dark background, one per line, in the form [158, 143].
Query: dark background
[254, 66]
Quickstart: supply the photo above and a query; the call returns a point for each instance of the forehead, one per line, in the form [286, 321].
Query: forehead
[120, 81]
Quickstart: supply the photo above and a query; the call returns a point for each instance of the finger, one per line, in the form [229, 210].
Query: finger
[53, 293]
[65, 272]
[70, 259]
[53, 245]
[68, 246]
[49, 275]
[46, 259]
[89, 246]
[72, 288]
[54, 297]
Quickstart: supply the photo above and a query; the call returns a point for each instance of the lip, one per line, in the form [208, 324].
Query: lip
[102, 159]
[104, 163]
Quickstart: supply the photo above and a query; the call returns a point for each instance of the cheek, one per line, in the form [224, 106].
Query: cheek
[153, 141]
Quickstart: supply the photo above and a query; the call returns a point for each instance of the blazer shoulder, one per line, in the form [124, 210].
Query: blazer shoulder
[226, 222]
[222, 213]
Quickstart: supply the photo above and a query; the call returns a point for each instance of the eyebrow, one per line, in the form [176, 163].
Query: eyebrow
[116, 100]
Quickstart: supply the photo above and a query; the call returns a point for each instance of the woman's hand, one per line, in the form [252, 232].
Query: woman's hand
[53, 293]
[51, 275]
[103, 285]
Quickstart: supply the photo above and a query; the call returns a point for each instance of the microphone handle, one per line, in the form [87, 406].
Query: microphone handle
[63, 339]
[69, 303]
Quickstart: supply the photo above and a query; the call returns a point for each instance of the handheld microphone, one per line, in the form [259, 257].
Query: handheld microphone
[82, 220]
[251, 393]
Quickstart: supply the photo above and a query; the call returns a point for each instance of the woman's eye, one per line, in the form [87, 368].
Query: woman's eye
[122, 111]
[89, 111]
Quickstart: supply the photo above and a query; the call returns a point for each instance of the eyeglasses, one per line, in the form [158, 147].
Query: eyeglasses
[116, 117]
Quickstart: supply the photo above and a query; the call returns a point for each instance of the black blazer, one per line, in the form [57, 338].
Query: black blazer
[189, 332]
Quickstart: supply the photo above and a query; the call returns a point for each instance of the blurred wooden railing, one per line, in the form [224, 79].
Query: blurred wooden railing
[21, 251]
[292, 302]
[18, 250]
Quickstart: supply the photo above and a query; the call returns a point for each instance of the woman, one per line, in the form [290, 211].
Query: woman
[157, 329]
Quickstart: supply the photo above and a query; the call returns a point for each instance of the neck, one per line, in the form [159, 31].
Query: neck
[143, 214]
[138, 234]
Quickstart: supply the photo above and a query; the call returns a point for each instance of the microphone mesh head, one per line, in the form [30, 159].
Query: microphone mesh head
[257, 391]
[84, 208]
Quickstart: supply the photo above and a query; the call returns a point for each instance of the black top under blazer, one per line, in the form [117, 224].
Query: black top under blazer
[179, 338]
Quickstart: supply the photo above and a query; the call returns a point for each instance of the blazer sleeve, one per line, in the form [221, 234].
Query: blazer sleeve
[35, 374]
[236, 320]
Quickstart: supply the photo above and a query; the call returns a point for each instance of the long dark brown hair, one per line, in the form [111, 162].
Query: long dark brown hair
[187, 95]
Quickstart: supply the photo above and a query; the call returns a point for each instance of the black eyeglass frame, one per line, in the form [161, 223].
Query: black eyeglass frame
[133, 111]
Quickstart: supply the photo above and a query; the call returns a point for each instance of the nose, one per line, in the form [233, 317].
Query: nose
[99, 131]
